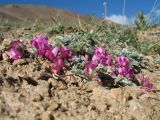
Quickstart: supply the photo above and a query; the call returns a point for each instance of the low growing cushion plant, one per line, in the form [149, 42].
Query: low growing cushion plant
[99, 65]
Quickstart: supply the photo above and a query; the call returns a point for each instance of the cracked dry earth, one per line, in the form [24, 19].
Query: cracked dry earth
[29, 92]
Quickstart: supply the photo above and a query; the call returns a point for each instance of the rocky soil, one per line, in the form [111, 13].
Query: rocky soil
[29, 92]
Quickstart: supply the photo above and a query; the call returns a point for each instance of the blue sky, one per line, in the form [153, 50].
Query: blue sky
[96, 8]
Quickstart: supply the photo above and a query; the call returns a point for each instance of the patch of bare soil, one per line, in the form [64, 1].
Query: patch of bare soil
[29, 92]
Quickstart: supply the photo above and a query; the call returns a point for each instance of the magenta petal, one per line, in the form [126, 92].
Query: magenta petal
[90, 66]
[40, 43]
[103, 61]
[49, 55]
[131, 73]
[109, 60]
[60, 62]
[123, 71]
[66, 53]
[42, 39]
[58, 65]
[99, 50]
[34, 44]
[16, 43]
[149, 87]
[126, 72]
[41, 52]
[101, 57]
[95, 59]
[15, 54]
[56, 50]
[123, 61]
[65, 48]
[145, 83]
[57, 69]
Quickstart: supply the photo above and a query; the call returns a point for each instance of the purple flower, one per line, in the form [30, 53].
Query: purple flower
[56, 50]
[89, 68]
[109, 60]
[16, 50]
[123, 71]
[58, 65]
[145, 83]
[100, 51]
[101, 57]
[131, 73]
[148, 86]
[16, 44]
[66, 53]
[124, 68]
[41, 44]
[126, 72]
[57, 55]
[123, 61]
[15, 54]
[95, 59]
[49, 55]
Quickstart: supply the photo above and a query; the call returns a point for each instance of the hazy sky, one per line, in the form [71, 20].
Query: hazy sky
[96, 8]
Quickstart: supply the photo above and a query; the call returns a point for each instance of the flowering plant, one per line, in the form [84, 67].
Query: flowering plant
[56, 54]
[146, 83]
[102, 66]
[124, 67]
[16, 50]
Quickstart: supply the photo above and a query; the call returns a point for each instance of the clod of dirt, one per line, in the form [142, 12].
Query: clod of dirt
[6, 43]
[47, 116]
[5, 56]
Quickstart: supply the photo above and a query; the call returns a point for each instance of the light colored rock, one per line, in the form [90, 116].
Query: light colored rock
[20, 62]
[36, 97]
[6, 42]
[53, 105]
[47, 116]
[5, 56]
[42, 88]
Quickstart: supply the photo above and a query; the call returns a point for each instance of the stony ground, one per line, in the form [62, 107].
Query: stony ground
[29, 92]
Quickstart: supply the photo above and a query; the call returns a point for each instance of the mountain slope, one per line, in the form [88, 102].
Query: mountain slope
[30, 12]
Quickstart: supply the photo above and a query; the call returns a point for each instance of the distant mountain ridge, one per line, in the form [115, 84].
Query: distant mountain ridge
[30, 12]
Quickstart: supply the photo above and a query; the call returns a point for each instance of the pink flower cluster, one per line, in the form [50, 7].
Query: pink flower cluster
[124, 68]
[101, 56]
[146, 83]
[16, 50]
[41, 44]
[56, 54]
